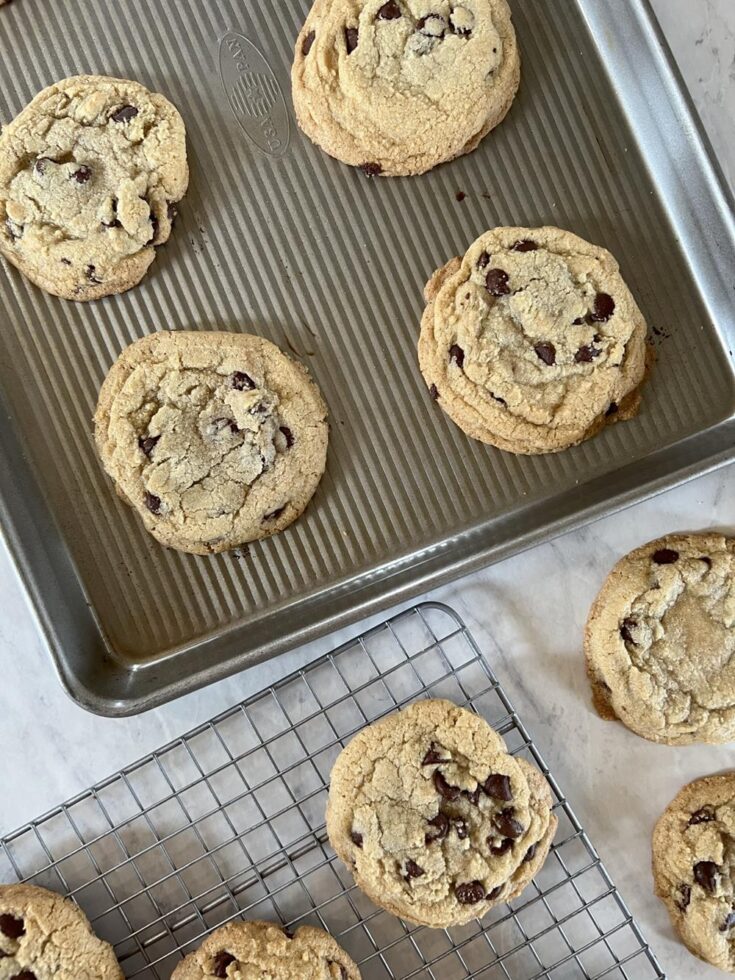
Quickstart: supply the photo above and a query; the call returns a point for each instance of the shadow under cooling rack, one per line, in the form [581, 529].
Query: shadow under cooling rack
[228, 821]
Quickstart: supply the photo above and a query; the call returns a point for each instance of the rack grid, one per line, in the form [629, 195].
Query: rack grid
[228, 821]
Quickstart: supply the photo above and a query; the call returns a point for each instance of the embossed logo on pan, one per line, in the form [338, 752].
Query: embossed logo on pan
[255, 97]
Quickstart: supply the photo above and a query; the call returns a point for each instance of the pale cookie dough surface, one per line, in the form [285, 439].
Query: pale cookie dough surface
[398, 87]
[694, 867]
[44, 936]
[532, 342]
[437, 822]
[215, 439]
[90, 173]
[264, 951]
[660, 640]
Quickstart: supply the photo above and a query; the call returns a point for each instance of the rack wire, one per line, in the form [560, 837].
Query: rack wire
[228, 821]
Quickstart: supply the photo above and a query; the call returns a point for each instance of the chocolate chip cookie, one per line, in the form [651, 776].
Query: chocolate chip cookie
[264, 951]
[398, 87]
[90, 173]
[436, 820]
[43, 935]
[694, 867]
[215, 439]
[532, 342]
[660, 640]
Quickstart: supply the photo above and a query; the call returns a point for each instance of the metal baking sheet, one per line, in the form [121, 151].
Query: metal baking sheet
[275, 237]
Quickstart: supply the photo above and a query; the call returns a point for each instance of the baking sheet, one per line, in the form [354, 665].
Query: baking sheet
[277, 238]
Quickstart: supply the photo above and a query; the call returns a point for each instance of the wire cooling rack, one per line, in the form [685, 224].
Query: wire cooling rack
[228, 821]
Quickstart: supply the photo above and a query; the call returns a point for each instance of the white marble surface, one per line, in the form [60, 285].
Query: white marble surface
[527, 614]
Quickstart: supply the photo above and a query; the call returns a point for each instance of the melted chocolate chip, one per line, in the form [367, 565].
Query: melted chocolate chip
[586, 354]
[612, 409]
[220, 963]
[483, 261]
[461, 828]
[496, 282]
[456, 354]
[525, 245]
[495, 893]
[625, 627]
[242, 381]
[352, 36]
[665, 556]
[24, 975]
[472, 795]
[500, 848]
[469, 892]
[371, 169]
[356, 838]
[389, 11]
[153, 503]
[82, 174]
[147, 444]
[125, 114]
[287, 435]
[705, 815]
[434, 392]
[604, 308]
[706, 874]
[441, 824]
[530, 853]
[11, 926]
[443, 788]
[274, 514]
[685, 892]
[433, 756]
[91, 274]
[546, 351]
[506, 823]
[498, 786]
[308, 41]
[413, 870]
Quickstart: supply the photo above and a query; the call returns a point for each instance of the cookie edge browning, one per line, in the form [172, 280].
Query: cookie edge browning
[133, 267]
[21, 897]
[539, 791]
[594, 634]
[688, 797]
[135, 354]
[468, 419]
[257, 928]
[334, 147]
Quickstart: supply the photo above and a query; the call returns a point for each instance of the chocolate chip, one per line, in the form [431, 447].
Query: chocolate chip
[434, 392]
[308, 41]
[154, 229]
[546, 351]
[11, 926]
[153, 503]
[148, 443]
[91, 274]
[612, 409]
[433, 756]
[506, 824]
[469, 892]
[66, 261]
[460, 196]
[496, 282]
[483, 261]
[24, 975]
[125, 114]
[706, 874]
[352, 36]
[705, 815]
[665, 556]
[356, 838]
[706, 560]
[389, 11]
[461, 827]
[525, 245]
[82, 174]
[729, 921]
[287, 435]
[456, 354]
[220, 963]
[578, 322]
[499, 849]
[586, 354]
[604, 308]
[225, 423]
[40, 165]
[371, 169]
[495, 893]
[275, 514]
[241, 381]
[530, 853]
[443, 788]
[498, 786]
[472, 795]
[686, 896]
[625, 627]
[413, 870]
[441, 824]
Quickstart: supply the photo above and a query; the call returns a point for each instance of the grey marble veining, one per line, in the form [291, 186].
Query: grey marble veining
[526, 613]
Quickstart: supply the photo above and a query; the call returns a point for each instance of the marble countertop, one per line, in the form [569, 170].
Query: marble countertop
[526, 613]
